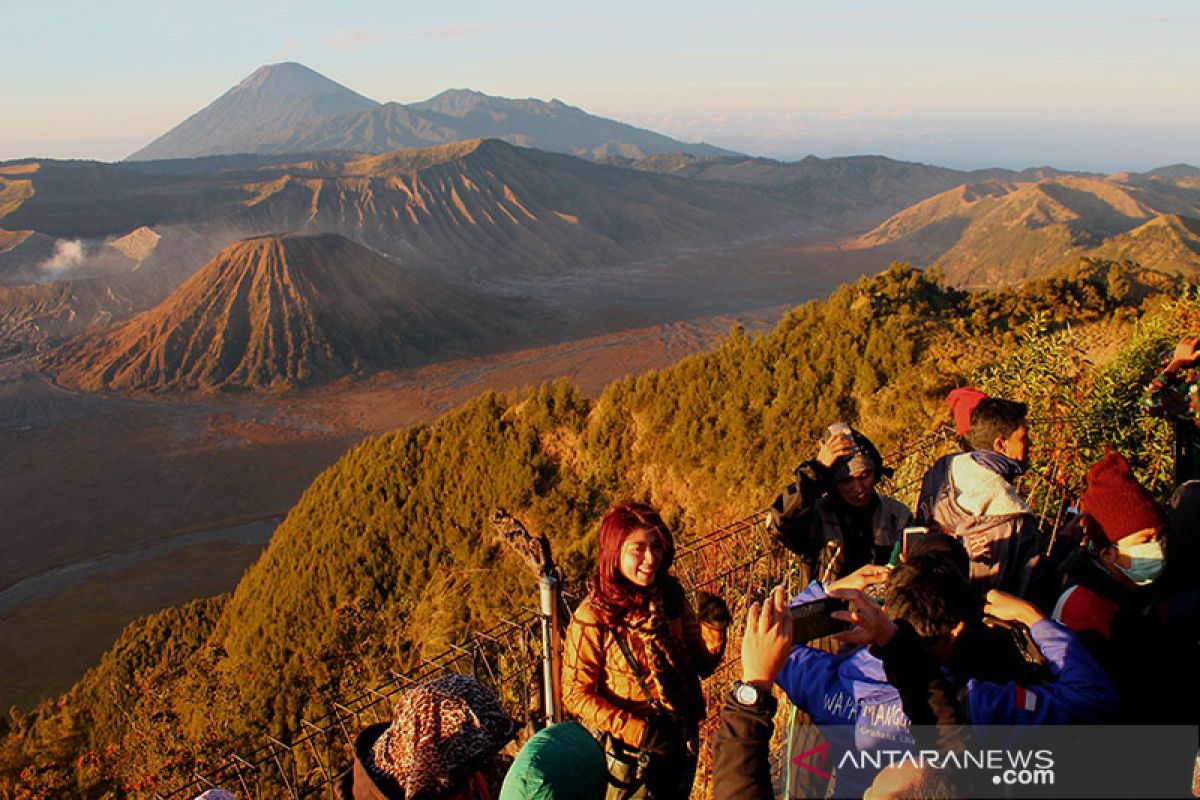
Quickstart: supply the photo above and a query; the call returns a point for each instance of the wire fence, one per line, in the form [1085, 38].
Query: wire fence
[737, 561]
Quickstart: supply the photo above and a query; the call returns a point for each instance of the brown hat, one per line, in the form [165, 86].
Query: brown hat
[1116, 504]
[442, 731]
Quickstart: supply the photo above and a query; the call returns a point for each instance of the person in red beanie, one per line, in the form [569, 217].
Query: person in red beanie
[1112, 600]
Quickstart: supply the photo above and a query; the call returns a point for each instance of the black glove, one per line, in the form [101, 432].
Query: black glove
[660, 729]
[712, 610]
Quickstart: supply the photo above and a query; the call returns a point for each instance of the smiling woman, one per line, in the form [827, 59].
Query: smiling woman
[635, 654]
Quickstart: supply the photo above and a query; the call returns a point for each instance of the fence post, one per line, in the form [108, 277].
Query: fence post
[551, 592]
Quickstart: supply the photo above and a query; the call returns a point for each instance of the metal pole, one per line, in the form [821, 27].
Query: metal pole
[551, 648]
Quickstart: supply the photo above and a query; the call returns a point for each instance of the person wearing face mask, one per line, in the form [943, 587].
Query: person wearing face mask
[1112, 600]
[832, 517]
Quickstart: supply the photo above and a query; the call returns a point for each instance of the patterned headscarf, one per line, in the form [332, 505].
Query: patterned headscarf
[442, 731]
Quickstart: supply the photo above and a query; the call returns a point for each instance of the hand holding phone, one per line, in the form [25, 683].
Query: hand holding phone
[867, 622]
[838, 443]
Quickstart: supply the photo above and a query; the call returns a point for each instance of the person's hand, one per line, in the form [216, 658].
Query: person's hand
[1185, 354]
[860, 579]
[871, 624]
[833, 448]
[1003, 605]
[767, 641]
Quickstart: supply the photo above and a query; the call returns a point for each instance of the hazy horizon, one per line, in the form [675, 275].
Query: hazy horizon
[1085, 86]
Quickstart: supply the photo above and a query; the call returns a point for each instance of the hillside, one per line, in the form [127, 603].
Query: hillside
[381, 561]
[474, 207]
[852, 183]
[1169, 241]
[470, 211]
[113, 279]
[999, 232]
[278, 311]
[86, 199]
[486, 208]
[289, 108]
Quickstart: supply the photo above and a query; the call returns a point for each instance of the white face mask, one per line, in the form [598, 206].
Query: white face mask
[1146, 561]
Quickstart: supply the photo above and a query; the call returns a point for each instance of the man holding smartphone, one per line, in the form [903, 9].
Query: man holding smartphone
[853, 695]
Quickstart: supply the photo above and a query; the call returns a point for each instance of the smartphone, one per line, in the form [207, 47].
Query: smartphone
[812, 620]
[906, 535]
[842, 429]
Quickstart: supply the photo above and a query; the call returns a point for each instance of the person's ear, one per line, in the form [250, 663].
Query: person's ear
[1108, 554]
[998, 445]
[957, 630]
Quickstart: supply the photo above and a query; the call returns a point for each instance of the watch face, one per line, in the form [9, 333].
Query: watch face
[746, 694]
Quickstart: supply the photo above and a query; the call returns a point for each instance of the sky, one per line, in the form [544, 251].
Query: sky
[1102, 86]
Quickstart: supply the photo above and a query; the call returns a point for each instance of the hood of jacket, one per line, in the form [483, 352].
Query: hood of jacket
[982, 492]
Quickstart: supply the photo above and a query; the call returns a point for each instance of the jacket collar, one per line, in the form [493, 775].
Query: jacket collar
[982, 491]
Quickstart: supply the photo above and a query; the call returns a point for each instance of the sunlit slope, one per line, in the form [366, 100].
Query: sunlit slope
[1000, 232]
[276, 311]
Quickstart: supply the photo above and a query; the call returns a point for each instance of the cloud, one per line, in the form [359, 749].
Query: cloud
[67, 255]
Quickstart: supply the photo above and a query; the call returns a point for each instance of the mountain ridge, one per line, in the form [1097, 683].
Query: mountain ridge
[281, 108]
[997, 232]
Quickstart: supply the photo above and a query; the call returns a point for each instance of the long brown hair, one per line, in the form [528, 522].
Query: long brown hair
[612, 593]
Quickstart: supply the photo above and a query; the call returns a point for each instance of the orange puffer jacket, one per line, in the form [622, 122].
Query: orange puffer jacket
[599, 687]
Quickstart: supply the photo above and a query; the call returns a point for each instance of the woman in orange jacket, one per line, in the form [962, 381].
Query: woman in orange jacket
[634, 656]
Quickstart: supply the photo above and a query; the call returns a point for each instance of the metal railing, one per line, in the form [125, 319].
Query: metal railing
[737, 561]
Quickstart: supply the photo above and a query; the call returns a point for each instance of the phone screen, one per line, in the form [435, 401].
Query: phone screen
[908, 534]
[812, 620]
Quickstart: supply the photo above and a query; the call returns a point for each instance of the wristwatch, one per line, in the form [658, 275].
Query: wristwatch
[749, 695]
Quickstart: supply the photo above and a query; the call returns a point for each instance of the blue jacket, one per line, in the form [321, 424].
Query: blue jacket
[849, 698]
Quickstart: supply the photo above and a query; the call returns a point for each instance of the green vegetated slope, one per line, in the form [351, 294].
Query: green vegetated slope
[384, 558]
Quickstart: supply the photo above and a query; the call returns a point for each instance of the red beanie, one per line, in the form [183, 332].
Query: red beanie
[1117, 503]
[962, 402]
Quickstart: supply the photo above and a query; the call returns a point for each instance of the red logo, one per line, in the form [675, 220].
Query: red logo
[801, 760]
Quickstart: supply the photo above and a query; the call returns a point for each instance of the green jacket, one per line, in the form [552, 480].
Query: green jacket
[562, 762]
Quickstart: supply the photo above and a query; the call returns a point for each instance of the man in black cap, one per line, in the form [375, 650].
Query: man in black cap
[832, 517]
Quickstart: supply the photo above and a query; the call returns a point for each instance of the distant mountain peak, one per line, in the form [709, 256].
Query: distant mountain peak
[273, 98]
[1175, 171]
[290, 108]
[290, 77]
